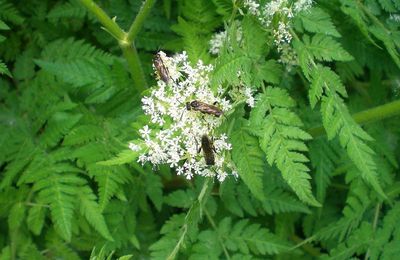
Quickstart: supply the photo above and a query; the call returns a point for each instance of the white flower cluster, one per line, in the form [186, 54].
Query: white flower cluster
[218, 40]
[249, 97]
[302, 5]
[176, 134]
[252, 6]
[285, 10]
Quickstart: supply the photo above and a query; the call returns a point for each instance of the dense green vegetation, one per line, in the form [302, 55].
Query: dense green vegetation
[317, 155]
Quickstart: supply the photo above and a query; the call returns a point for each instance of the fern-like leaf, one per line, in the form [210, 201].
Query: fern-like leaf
[356, 243]
[246, 238]
[357, 204]
[198, 21]
[316, 20]
[71, 10]
[154, 190]
[323, 48]
[226, 67]
[36, 218]
[91, 210]
[59, 191]
[277, 201]
[282, 140]
[326, 86]
[180, 199]
[59, 125]
[207, 247]
[323, 158]
[108, 178]
[385, 233]
[4, 69]
[248, 159]
[125, 156]
[165, 247]
[9, 13]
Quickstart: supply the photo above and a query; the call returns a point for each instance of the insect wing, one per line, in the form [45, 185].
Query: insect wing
[206, 108]
[208, 152]
[162, 70]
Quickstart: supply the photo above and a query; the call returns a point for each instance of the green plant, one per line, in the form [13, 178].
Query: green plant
[315, 147]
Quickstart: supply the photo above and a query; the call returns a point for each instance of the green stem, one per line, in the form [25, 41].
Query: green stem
[138, 22]
[109, 24]
[125, 40]
[366, 116]
[374, 225]
[306, 247]
[134, 65]
[210, 219]
[184, 229]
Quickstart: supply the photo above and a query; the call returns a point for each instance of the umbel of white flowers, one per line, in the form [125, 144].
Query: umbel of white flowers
[285, 11]
[175, 134]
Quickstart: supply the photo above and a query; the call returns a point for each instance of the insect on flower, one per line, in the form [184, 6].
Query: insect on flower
[208, 150]
[175, 136]
[162, 70]
[204, 108]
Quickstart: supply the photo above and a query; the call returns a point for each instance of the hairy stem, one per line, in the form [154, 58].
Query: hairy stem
[138, 22]
[370, 115]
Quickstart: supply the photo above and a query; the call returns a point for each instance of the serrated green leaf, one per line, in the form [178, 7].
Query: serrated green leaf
[282, 143]
[246, 238]
[325, 48]
[248, 159]
[125, 156]
[317, 20]
[92, 212]
[4, 69]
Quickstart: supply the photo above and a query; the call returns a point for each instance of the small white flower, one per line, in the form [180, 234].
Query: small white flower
[179, 170]
[220, 90]
[249, 95]
[282, 34]
[252, 6]
[302, 5]
[222, 176]
[218, 40]
[145, 132]
[142, 159]
[235, 174]
[134, 147]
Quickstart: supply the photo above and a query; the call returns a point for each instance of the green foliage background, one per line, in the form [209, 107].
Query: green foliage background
[317, 156]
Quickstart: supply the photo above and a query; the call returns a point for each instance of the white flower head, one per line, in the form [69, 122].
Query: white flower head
[252, 7]
[282, 11]
[249, 97]
[178, 129]
[218, 40]
[134, 147]
[302, 5]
